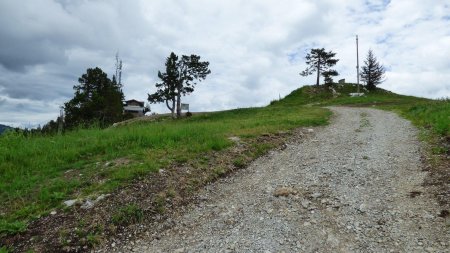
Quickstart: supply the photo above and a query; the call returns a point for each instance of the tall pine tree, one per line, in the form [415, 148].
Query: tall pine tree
[372, 72]
[179, 80]
[97, 99]
[320, 61]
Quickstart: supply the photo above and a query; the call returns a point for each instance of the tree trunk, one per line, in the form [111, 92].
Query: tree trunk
[318, 72]
[179, 105]
[172, 109]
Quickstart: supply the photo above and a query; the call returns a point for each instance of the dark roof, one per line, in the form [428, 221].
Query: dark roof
[134, 101]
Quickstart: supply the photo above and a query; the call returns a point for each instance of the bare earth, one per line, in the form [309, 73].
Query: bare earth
[354, 186]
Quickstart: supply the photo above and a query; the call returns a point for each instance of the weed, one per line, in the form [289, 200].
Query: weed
[364, 121]
[93, 239]
[11, 227]
[160, 203]
[64, 237]
[437, 150]
[239, 162]
[4, 249]
[127, 215]
[171, 193]
[218, 171]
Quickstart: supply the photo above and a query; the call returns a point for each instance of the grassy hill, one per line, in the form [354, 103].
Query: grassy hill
[433, 115]
[38, 173]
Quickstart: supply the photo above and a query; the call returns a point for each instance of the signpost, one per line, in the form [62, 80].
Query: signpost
[185, 107]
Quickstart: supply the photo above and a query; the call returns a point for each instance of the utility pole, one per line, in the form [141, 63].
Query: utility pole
[357, 64]
[61, 120]
[118, 70]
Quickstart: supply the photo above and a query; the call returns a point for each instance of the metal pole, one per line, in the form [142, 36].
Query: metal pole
[61, 120]
[357, 63]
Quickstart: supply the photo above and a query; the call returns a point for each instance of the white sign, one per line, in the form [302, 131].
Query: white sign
[185, 107]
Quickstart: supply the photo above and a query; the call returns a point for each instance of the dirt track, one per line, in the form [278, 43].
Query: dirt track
[354, 186]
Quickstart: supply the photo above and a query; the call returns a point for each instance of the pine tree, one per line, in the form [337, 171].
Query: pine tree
[320, 61]
[97, 99]
[178, 80]
[373, 72]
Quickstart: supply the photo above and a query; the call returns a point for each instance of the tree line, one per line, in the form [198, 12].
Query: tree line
[99, 100]
[321, 62]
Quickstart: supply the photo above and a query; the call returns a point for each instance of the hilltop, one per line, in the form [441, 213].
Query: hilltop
[143, 171]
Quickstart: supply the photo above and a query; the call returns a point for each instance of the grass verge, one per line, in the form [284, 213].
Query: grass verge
[39, 172]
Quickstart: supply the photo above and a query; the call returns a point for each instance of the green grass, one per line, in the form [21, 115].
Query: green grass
[128, 214]
[38, 173]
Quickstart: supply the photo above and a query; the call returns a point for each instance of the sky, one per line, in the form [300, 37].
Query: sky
[256, 48]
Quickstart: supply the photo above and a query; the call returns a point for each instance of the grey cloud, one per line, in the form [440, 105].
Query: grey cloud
[256, 48]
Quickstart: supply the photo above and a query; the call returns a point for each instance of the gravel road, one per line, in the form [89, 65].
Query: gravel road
[353, 186]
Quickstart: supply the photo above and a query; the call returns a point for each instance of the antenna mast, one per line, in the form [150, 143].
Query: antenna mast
[120, 72]
[61, 120]
[118, 69]
[357, 63]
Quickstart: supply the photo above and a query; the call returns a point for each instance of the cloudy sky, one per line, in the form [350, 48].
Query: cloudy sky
[256, 48]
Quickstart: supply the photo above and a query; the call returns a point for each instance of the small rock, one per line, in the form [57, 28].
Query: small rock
[362, 208]
[306, 224]
[113, 244]
[53, 212]
[428, 216]
[87, 205]
[316, 195]
[234, 138]
[310, 130]
[70, 202]
[101, 197]
[429, 249]
[305, 203]
[180, 250]
[283, 192]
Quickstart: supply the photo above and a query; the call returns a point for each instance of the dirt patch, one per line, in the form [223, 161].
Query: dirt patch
[438, 169]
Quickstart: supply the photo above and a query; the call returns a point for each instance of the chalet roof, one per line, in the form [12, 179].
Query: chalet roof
[134, 101]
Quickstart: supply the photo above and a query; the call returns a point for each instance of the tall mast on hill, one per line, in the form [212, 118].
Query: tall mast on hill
[357, 63]
[118, 70]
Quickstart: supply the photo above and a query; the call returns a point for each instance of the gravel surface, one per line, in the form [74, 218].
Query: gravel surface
[354, 186]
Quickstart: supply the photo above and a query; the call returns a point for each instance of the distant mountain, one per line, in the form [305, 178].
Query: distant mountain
[3, 128]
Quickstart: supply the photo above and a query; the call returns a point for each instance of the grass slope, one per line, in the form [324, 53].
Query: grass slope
[39, 172]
